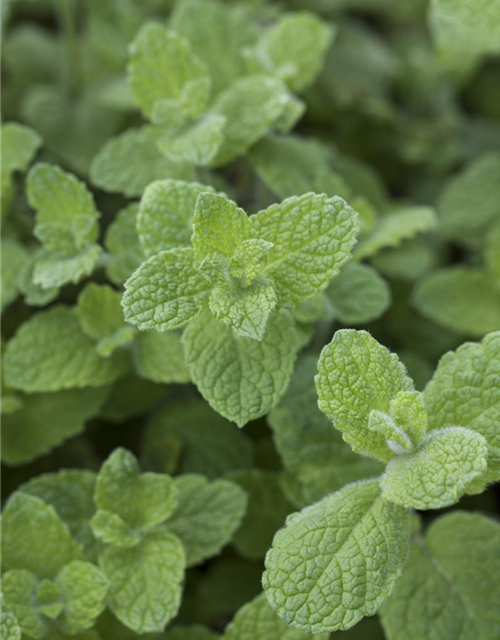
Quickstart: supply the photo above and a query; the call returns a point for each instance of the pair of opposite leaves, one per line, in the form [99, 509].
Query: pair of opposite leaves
[339, 559]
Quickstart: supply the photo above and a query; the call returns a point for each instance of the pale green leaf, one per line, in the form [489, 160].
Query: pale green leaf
[391, 229]
[46, 420]
[161, 64]
[293, 49]
[166, 292]
[355, 375]
[207, 515]
[160, 357]
[145, 581]
[128, 163]
[34, 538]
[10, 629]
[312, 236]
[131, 396]
[265, 514]
[336, 561]
[66, 220]
[19, 588]
[382, 425]
[18, 146]
[439, 595]
[463, 299]
[51, 271]
[464, 391]
[122, 243]
[191, 632]
[256, 619]
[141, 500]
[197, 144]
[14, 259]
[358, 294]
[492, 252]
[410, 261]
[111, 529]
[249, 260]
[165, 219]
[242, 379]
[50, 352]
[408, 411]
[34, 294]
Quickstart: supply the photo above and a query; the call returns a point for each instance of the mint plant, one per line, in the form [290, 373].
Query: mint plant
[250, 319]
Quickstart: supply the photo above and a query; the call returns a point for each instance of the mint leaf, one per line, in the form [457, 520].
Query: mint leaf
[34, 538]
[463, 299]
[438, 593]
[160, 357]
[206, 516]
[191, 632]
[293, 49]
[161, 65]
[408, 410]
[309, 578]
[165, 216]
[19, 145]
[53, 271]
[242, 379]
[14, 258]
[356, 375]
[438, 473]
[197, 144]
[122, 243]
[256, 619]
[166, 292]
[34, 294]
[50, 352]
[140, 500]
[145, 581]
[10, 628]
[248, 261]
[312, 237]
[128, 163]
[19, 589]
[358, 294]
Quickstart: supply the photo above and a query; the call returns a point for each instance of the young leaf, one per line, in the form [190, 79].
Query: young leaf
[145, 581]
[336, 561]
[122, 243]
[438, 594]
[10, 629]
[197, 144]
[408, 411]
[242, 379]
[249, 260]
[50, 352]
[206, 516]
[19, 588]
[160, 357]
[166, 292]
[34, 538]
[14, 258]
[256, 619]
[165, 216]
[141, 500]
[438, 473]
[312, 237]
[34, 294]
[53, 270]
[19, 145]
[356, 375]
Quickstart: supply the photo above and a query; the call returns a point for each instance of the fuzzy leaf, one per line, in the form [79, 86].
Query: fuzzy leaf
[242, 379]
[19, 589]
[53, 270]
[249, 260]
[336, 561]
[197, 144]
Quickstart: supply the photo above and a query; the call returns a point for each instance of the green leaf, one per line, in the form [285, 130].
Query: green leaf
[256, 619]
[266, 512]
[111, 529]
[165, 219]
[66, 220]
[19, 589]
[206, 516]
[312, 236]
[355, 375]
[10, 628]
[145, 581]
[83, 588]
[161, 65]
[122, 243]
[166, 292]
[128, 163]
[463, 299]
[412, 260]
[393, 228]
[191, 632]
[50, 352]
[141, 500]
[250, 106]
[463, 391]
[249, 260]
[245, 310]
[336, 561]
[310, 450]
[34, 538]
[101, 318]
[197, 144]
[160, 357]
[51, 271]
[242, 379]
[438, 473]
[465, 32]
[45, 420]
[34, 294]
[14, 258]
[219, 226]
[293, 49]
[492, 252]
[210, 444]
[358, 294]
[130, 396]
[19, 145]
[408, 411]
[71, 493]
[438, 594]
